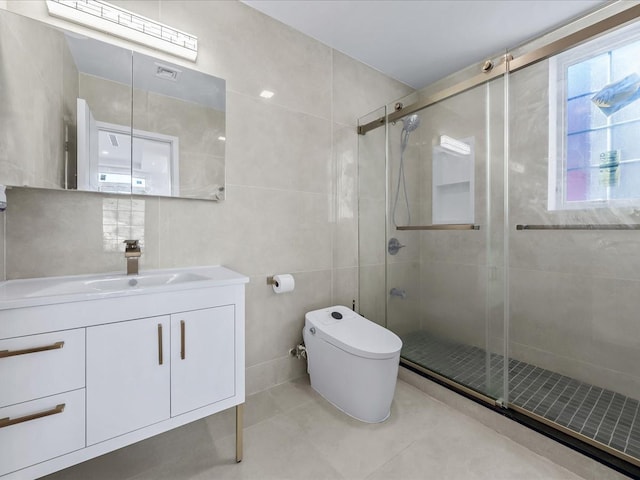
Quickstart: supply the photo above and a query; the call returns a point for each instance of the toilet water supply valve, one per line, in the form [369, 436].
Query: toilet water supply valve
[299, 351]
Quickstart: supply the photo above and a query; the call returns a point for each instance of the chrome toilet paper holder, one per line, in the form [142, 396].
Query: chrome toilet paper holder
[271, 280]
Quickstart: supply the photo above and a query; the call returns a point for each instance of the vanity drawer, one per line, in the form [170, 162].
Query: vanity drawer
[39, 365]
[60, 430]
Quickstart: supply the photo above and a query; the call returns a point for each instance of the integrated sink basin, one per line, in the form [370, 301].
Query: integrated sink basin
[42, 291]
[144, 281]
[116, 283]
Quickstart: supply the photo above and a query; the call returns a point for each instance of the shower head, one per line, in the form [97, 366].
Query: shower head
[410, 123]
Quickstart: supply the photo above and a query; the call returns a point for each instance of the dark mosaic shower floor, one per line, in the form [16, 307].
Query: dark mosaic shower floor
[598, 413]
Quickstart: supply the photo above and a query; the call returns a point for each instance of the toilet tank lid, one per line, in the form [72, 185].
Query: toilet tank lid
[354, 333]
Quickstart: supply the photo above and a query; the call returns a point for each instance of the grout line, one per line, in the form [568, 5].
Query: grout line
[555, 401]
[604, 414]
[595, 404]
[615, 427]
[635, 417]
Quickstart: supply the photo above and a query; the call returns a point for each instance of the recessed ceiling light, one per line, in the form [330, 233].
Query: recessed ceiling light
[222, 139]
[266, 94]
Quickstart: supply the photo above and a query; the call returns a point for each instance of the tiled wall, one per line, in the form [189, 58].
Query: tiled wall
[573, 294]
[36, 104]
[291, 203]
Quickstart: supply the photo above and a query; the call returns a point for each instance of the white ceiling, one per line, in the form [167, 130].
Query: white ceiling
[421, 41]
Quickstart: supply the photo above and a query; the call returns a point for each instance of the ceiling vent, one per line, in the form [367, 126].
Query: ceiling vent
[167, 73]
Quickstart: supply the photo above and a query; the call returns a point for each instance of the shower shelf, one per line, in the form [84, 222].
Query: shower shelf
[450, 226]
[586, 226]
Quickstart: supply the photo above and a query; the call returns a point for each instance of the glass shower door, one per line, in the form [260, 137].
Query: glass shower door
[445, 285]
[574, 269]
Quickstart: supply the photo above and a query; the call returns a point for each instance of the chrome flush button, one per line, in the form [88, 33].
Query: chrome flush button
[336, 315]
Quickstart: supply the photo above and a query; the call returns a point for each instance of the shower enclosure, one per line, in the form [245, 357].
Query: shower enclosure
[499, 230]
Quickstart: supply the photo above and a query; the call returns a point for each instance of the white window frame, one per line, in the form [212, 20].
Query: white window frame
[558, 128]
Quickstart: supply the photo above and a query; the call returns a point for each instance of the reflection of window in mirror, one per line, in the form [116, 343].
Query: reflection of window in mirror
[108, 162]
[594, 103]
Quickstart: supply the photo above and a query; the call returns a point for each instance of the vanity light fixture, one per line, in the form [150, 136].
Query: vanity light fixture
[454, 145]
[122, 23]
[266, 94]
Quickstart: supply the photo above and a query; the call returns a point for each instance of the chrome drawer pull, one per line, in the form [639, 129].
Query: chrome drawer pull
[9, 353]
[7, 422]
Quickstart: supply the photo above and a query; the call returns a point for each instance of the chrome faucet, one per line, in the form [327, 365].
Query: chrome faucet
[132, 254]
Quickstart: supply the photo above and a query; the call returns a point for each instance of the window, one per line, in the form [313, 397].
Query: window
[594, 132]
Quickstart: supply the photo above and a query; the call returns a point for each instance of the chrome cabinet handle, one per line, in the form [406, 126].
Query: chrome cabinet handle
[182, 341]
[160, 344]
[7, 422]
[10, 353]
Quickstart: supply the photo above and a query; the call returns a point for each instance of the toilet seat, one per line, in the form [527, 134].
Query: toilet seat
[353, 333]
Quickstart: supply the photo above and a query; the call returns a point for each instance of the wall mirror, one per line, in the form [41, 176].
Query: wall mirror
[81, 114]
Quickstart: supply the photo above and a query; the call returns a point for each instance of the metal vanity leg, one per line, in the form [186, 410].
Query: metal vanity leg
[239, 422]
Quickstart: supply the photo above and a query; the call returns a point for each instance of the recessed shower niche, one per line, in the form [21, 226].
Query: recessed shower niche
[104, 118]
[453, 181]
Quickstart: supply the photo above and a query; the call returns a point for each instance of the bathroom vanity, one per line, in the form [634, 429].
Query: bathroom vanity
[89, 364]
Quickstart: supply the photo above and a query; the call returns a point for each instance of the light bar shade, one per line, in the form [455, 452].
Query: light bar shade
[122, 23]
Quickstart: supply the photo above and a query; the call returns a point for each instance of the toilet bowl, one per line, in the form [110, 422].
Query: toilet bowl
[352, 362]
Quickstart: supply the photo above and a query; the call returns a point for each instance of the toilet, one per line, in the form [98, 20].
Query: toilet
[352, 362]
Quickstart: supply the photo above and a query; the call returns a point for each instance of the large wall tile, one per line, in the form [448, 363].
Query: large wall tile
[371, 234]
[403, 314]
[274, 321]
[345, 159]
[615, 307]
[373, 294]
[345, 287]
[359, 89]
[551, 311]
[84, 232]
[269, 146]
[274, 372]
[253, 53]
[255, 230]
[453, 301]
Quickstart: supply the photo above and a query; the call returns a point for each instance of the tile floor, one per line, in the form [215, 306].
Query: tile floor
[293, 433]
[603, 415]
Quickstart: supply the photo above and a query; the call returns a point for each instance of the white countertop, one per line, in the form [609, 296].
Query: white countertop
[77, 288]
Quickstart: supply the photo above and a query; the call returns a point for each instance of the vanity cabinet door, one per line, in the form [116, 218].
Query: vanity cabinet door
[202, 358]
[127, 377]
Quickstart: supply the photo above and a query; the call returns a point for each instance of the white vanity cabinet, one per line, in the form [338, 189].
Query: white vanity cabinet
[201, 341]
[127, 377]
[42, 397]
[82, 375]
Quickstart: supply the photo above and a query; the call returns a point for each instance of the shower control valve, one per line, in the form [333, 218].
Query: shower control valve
[394, 246]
